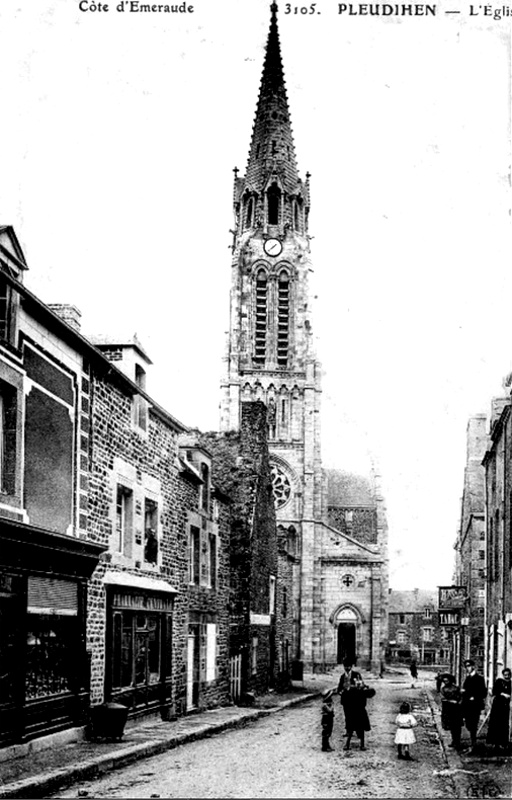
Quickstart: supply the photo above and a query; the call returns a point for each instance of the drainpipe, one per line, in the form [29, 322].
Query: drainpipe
[371, 615]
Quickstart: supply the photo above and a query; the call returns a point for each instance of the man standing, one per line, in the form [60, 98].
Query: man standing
[474, 692]
[348, 678]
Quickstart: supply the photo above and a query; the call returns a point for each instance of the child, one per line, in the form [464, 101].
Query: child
[405, 734]
[327, 720]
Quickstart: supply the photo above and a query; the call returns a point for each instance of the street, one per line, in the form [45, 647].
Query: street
[280, 756]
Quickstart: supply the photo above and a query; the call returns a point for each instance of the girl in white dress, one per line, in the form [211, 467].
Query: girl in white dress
[405, 723]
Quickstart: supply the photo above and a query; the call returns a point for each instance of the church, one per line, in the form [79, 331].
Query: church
[335, 522]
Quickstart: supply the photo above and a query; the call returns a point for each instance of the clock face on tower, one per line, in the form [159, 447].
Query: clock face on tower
[272, 247]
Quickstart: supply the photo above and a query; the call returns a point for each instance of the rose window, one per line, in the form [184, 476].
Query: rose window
[280, 486]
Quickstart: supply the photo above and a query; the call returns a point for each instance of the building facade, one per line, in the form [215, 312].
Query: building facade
[498, 561]
[270, 357]
[415, 629]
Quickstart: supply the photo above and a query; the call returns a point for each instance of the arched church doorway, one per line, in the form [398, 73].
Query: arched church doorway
[346, 620]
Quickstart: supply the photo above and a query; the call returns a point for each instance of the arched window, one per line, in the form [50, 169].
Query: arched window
[297, 222]
[273, 203]
[283, 318]
[205, 488]
[249, 209]
[260, 332]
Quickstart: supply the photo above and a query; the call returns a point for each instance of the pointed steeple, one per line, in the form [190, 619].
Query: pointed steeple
[272, 151]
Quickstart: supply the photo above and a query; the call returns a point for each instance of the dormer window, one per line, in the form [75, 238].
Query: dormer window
[140, 377]
[7, 309]
[205, 489]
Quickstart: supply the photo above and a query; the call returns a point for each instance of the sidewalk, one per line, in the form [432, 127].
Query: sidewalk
[484, 774]
[42, 773]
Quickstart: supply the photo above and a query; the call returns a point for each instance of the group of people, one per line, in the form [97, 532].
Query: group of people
[464, 705]
[353, 696]
[460, 705]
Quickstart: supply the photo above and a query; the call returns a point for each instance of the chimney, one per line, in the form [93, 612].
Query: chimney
[68, 313]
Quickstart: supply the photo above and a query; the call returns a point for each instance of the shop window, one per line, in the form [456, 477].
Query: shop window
[194, 554]
[150, 531]
[53, 637]
[136, 649]
[124, 520]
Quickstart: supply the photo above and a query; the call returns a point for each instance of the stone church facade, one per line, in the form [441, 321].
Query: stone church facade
[339, 568]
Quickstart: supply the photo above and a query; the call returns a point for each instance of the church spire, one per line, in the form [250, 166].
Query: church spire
[272, 151]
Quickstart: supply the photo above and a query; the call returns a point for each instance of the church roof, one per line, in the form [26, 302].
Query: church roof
[411, 601]
[346, 489]
[272, 150]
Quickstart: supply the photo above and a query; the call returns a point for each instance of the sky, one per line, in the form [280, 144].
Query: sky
[120, 132]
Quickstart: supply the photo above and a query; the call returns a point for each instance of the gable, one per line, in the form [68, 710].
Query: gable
[10, 249]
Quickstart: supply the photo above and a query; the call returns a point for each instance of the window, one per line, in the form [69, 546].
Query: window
[254, 655]
[283, 318]
[8, 414]
[260, 332]
[285, 602]
[401, 619]
[249, 212]
[136, 648]
[205, 488]
[401, 637]
[428, 613]
[211, 651]
[140, 412]
[272, 595]
[195, 554]
[150, 531]
[124, 520]
[348, 581]
[140, 376]
[212, 541]
[7, 319]
[482, 536]
[481, 555]
[273, 202]
[427, 634]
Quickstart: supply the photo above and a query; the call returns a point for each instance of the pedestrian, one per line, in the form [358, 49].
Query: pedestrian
[451, 711]
[356, 716]
[347, 679]
[498, 730]
[414, 671]
[327, 720]
[405, 722]
[474, 692]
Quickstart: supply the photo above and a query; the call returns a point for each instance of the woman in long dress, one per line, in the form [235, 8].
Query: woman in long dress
[498, 730]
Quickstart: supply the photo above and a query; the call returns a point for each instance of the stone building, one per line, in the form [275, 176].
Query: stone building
[270, 357]
[46, 555]
[498, 561]
[468, 640]
[415, 631]
[260, 611]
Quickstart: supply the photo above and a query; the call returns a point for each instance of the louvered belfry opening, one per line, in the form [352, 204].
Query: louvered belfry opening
[283, 319]
[260, 334]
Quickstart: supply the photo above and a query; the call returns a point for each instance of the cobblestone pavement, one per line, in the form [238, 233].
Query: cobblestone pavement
[280, 756]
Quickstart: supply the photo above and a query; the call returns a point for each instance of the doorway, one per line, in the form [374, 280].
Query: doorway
[346, 642]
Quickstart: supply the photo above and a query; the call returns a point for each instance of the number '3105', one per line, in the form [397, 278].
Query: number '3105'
[311, 9]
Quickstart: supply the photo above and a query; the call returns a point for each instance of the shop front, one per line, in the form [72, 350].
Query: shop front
[139, 641]
[44, 667]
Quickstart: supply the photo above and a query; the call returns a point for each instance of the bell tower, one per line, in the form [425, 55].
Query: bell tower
[270, 344]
